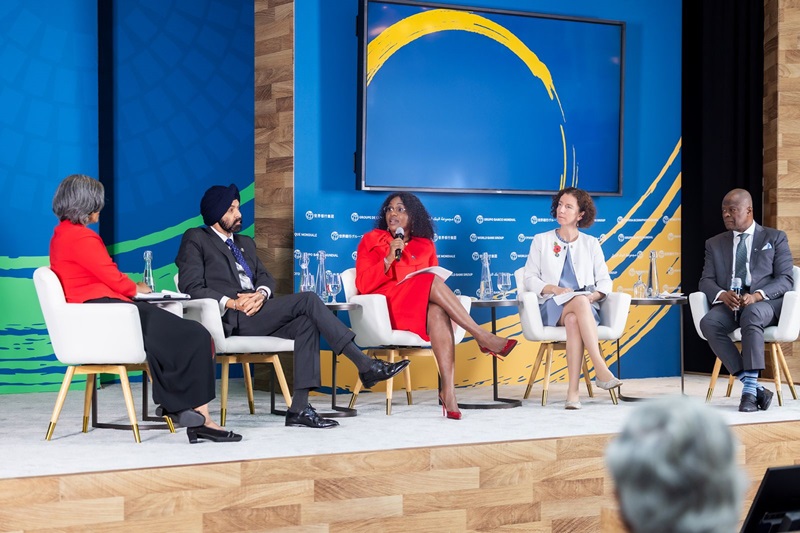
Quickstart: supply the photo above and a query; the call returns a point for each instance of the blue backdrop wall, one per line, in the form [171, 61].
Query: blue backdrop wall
[331, 215]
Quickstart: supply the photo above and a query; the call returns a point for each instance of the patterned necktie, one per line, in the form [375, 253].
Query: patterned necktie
[740, 270]
[239, 258]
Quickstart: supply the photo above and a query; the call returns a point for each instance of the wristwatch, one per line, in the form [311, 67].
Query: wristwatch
[264, 293]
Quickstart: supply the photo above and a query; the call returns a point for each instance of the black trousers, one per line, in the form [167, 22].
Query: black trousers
[302, 317]
[180, 354]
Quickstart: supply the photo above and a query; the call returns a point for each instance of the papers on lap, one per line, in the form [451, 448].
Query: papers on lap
[439, 271]
[561, 299]
[164, 295]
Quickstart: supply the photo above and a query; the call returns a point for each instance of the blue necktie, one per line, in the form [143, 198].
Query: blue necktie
[237, 254]
[740, 268]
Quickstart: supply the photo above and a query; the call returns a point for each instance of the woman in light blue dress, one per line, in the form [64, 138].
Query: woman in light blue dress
[564, 261]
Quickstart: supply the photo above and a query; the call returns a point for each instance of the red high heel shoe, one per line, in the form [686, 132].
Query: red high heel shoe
[510, 345]
[455, 415]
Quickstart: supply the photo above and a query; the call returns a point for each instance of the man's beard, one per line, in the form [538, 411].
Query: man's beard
[236, 227]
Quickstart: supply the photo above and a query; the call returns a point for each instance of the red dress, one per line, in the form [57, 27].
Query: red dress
[80, 260]
[408, 301]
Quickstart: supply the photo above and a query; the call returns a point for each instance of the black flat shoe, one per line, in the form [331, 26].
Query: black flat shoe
[748, 404]
[188, 418]
[764, 398]
[309, 418]
[214, 435]
[380, 371]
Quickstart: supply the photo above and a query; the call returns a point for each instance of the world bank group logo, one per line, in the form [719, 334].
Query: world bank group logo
[475, 256]
[457, 292]
[661, 254]
[354, 255]
[619, 219]
[435, 237]
[334, 235]
[309, 215]
[354, 217]
[621, 237]
[457, 219]
[479, 219]
[521, 237]
[534, 219]
[665, 219]
[473, 237]
[513, 256]
[296, 254]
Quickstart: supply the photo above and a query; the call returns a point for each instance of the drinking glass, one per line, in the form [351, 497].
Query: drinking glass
[307, 283]
[639, 288]
[334, 282]
[503, 283]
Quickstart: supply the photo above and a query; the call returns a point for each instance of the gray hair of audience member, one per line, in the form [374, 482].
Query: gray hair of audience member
[77, 197]
[674, 468]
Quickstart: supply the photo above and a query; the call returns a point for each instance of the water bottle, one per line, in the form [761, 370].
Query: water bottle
[639, 289]
[147, 277]
[321, 286]
[652, 277]
[486, 291]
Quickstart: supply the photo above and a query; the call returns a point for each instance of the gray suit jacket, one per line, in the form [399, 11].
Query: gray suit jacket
[770, 264]
[207, 268]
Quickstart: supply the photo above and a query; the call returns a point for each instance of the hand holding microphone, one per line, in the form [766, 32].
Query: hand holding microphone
[736, 286]
[399, 234]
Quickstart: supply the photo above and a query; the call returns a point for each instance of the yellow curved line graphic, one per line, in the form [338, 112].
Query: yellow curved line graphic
[399, 34]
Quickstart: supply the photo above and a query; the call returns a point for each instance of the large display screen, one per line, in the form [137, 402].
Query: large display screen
[469, 100]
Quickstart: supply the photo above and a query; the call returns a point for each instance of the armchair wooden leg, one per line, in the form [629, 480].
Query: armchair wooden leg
[87, 400]
[714, 376]
[390, 384]
[126, 392]
[785, 369]
[547, 366]
[223, 401]
[62, 395]
[407, 376]
[354, 397]
[248, 385]
[586, 377]
[278, 369]
[535, 369]
[776, 372]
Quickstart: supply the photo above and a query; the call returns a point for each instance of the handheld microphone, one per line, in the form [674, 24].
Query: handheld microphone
[736, 286]
[399, 234]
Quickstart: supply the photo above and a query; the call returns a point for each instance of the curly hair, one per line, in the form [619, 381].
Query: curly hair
[419, 220]
[585, 205]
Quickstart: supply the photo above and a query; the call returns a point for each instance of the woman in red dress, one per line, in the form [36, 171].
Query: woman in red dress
[402, 243]
[180, 352]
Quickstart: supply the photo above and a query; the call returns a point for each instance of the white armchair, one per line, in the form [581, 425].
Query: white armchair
[787, 330]
[613, 315]
[240, 349]
[92, 339]
[373, 328]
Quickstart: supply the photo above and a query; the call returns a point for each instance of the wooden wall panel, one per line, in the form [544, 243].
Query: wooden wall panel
[549, 485]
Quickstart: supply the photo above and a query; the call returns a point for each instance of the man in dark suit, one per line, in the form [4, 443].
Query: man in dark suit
[215, 262]
[761, 259]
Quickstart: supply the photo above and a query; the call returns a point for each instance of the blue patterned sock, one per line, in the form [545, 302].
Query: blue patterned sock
[749, 379]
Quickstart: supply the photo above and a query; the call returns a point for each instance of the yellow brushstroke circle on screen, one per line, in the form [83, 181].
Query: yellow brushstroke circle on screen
[399, 34]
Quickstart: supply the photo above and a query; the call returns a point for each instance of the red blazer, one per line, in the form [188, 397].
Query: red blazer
[370, 277]
[80, 260]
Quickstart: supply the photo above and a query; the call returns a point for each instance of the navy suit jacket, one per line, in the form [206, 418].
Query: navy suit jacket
[770, 264]
[207, 268]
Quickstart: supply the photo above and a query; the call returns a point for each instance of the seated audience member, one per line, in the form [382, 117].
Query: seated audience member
[179, 352]
[762, 261]
[217, 262]
[423, 304]
[566, 260]
[674, 469]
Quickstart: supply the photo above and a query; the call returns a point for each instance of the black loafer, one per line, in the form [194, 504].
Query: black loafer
[381, 370]
[309, 418]
[748, 403]
[214, 435]
[764, 398]
[188, 418]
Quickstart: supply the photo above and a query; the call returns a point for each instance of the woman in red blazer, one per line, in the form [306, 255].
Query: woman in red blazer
[180, 352]
[402, 243]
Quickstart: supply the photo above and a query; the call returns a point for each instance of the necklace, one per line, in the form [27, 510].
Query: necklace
[560, 238]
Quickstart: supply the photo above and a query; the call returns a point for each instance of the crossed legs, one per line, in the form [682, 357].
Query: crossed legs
[581, 328]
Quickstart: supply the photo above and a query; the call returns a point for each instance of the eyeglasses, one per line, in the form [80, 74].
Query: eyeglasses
[389, 209]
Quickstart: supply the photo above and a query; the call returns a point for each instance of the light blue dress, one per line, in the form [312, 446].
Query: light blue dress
[551, 311]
